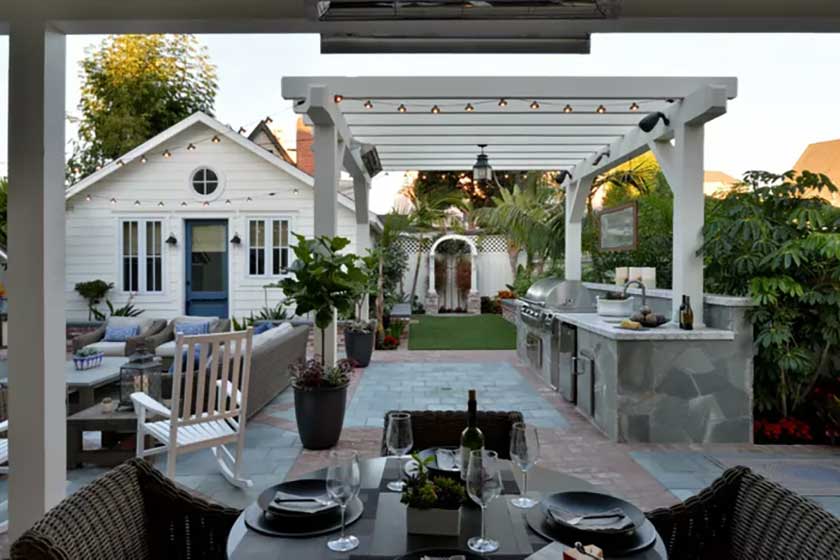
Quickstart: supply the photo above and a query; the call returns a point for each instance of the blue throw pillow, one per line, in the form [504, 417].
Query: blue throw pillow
[262, 327]
[196, 358]
[121, 333]
[192, 329]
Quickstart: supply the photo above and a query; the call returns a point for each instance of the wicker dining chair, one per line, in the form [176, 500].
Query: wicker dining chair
[132, 512]
[744, 516]
[442, 428]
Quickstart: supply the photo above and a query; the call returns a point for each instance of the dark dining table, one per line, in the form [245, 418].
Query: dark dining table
[382, 528]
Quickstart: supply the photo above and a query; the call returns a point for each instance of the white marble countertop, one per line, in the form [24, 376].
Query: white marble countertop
[669, 331]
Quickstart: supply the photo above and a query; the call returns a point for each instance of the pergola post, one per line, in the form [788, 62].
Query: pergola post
[361, 187]
[37, 414]
[328, 153]
[576, 194]
[689, 217]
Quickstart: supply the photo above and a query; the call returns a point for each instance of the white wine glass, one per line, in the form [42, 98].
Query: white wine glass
[399, 439]
[343, 481]
[484, 483]
[524, 452]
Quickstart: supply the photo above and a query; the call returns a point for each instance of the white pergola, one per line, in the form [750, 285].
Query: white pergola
[584, 125]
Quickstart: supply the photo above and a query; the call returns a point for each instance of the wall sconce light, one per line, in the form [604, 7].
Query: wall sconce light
[650, 121]
[171, 240]
[601, 156]
[236, 240]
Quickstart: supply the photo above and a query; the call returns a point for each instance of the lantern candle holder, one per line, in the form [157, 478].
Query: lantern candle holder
[143, 374]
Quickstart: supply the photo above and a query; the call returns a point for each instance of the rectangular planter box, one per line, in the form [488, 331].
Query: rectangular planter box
[445, 522]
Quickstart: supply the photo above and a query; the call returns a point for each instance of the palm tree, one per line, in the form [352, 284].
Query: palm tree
[392, 226]
[639, 173]
[428, 214]
[527, 216]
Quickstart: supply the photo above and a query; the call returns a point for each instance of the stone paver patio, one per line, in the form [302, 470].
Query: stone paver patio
[648, 475]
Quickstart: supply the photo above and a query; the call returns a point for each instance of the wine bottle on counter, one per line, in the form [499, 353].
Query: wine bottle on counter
[471, 438]
[686, 314]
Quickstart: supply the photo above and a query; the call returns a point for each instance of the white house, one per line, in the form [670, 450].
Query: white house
[197, 220]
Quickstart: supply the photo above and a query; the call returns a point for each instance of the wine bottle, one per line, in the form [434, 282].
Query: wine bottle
[686, 314]
[471, 438]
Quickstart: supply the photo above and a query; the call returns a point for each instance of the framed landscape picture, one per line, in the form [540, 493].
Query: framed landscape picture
[619, 227]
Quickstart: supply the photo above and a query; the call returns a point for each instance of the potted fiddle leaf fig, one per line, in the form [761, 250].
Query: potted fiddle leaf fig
[359, 336]
[324, 282]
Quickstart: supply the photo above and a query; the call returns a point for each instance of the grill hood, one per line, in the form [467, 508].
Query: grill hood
[556, 293]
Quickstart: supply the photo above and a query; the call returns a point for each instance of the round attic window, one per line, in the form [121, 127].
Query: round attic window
[205, 181]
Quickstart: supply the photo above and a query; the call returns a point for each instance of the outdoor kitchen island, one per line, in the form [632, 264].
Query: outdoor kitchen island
[658, 385]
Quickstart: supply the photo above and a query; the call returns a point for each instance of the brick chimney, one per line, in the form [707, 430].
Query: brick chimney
[305, 157]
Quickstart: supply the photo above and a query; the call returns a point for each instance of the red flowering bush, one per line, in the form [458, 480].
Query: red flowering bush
[786, 430]
[389, 343]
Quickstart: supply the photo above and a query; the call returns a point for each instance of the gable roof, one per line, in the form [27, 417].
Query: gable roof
[222, 130]
[719, 177]
[822, 157]
[263, 128]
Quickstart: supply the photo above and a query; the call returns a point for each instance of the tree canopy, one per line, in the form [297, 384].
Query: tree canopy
[134, 87]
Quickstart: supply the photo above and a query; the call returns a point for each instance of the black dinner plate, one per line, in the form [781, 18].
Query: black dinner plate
[582, 503]
[411, 466]
[305, 488]
[613, 545]
[439, 553]
[299, 527]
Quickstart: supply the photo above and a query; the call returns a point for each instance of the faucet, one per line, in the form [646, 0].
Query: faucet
[641, 285]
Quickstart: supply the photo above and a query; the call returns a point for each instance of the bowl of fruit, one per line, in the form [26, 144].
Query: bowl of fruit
[643, 318]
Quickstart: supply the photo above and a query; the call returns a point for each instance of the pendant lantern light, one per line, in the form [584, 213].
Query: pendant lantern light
[482, 172]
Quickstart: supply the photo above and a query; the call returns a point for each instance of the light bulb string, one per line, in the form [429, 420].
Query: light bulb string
[151, 202]
[630, 105]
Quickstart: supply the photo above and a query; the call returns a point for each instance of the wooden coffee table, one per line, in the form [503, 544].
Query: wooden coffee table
[114, 426]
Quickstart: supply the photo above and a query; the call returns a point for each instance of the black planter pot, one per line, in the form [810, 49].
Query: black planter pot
[359, 347]
[320, 416]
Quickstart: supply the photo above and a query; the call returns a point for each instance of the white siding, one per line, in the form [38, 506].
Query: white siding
[93, 234]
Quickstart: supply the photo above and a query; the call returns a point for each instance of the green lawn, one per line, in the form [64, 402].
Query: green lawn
[478, 332]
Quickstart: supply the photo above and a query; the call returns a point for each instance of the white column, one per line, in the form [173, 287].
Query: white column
[473, 273]
[689, 216]
[576, 194]
[328, 154]
[431, 274]
[361, 187]
[37, 437]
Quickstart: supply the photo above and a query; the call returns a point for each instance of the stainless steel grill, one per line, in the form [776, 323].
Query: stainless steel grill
[549, 296]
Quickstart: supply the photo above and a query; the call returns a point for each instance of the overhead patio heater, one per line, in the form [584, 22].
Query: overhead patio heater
[482, 172]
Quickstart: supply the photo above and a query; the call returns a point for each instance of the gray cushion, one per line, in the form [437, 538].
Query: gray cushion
[197, 319]
[142, 323]
[271, 334]
[109, 348]
[166, 350]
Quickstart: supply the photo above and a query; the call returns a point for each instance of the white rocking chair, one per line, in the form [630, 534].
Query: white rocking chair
[201, 417]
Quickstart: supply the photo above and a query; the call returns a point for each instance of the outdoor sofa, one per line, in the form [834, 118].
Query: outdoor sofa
[146, 328]
[163, 343]
[744, 516]
[132, 512]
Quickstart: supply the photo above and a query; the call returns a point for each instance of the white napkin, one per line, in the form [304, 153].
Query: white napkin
[302, 506]
[445, 459]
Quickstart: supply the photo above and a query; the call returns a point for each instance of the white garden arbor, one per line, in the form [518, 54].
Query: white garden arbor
[584, 125]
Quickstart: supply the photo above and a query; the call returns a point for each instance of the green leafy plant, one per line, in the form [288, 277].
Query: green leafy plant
[85, 352]
[127, 310]
[94, 292]
[422, 492]
[771, 240]
[323, 280]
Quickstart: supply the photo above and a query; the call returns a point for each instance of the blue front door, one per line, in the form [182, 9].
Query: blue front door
[207, 268]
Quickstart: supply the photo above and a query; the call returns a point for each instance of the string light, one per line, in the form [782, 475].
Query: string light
[183, 204]
[88, 198]
[568, 108]
[143, 158]
[216, 140]
[402, 108]
[161, 204]
[469, 108]
[272, 194]
[634, 107]
[368, 104]
[228, 202]
[503, 103]
[136, 203]
[167, 154]
[205, 204]
[535, 105]
[98, 167]
[113, 201]
[191, 147]
[338, 98]
[601, 109]
[120, 163]
[435, 109]
[249, 199]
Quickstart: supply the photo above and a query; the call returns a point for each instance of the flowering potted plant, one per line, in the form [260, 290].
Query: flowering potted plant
[320, 398]
[434, 505]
